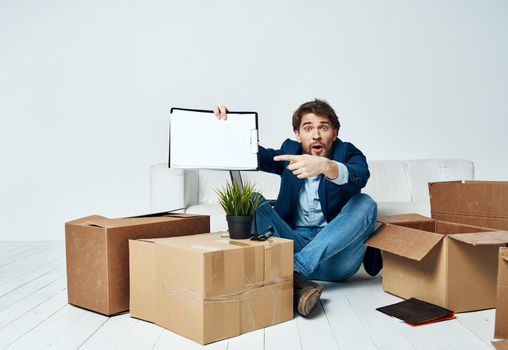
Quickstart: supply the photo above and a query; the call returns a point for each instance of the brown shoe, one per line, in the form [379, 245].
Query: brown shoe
[306, 294]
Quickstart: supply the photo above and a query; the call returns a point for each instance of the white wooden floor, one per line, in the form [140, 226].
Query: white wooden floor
[34, 314]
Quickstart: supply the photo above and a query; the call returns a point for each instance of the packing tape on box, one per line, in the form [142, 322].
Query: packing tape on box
[275, 253]
[220, 269]
[225, 262]
[281, 307]
[253, 273]
[276, 269]
[193, 296]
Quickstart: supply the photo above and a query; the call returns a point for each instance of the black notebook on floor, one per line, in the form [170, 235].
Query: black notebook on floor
[416, 312]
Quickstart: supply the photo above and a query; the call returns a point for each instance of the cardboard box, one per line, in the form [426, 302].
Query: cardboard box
[501, 328]
[500, 345]
[98, 255]
[447, 264]
[478, 203]
[209, 288]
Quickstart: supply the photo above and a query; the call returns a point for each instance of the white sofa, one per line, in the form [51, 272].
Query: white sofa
[397, 186]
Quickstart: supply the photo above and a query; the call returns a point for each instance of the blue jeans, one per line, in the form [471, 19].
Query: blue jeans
[331, 253]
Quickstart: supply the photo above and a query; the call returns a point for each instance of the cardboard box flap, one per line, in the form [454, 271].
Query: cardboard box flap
[503, 253]
[482, 238]
[172, 213]
[127, 222]
[407, 242]
[86, 219]
[149, 240]
[403, 218]
[500, 345]
[470, 198]
[203, 243]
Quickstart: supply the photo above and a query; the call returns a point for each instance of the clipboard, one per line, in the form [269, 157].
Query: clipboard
[417, 312]
[198, 140]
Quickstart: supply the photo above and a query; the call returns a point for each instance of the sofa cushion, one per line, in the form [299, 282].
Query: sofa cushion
[209, 181]
[394, 208]
[217, 215]
[389, 181]
[421, 172]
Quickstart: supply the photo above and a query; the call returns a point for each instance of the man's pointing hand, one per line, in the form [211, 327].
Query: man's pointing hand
[306, 165]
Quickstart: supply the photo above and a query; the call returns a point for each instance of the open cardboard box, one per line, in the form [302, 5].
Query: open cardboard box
[448, 264]
[451, 259]
[207, 287]
[97, 254]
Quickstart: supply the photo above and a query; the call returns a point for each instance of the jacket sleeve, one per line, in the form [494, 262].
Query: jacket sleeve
[356, 164]
[266, 162]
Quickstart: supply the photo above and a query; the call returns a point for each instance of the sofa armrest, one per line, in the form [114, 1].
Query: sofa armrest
[172, 188]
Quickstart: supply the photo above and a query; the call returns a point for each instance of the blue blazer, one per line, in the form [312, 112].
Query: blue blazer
[331, 196]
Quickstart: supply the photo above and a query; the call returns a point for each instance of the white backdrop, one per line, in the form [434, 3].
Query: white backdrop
[86, 86]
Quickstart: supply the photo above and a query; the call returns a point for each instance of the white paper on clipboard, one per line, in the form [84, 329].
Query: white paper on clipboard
[198, 140]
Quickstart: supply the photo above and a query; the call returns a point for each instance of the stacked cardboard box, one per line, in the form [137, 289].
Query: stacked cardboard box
[478, 203]
[98, 255]
[501, 328]
[482, 203]
[207, 287]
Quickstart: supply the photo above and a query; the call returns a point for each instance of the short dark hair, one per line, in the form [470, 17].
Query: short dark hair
[318, 107]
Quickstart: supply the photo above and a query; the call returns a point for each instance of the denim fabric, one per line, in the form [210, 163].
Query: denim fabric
[330, 253]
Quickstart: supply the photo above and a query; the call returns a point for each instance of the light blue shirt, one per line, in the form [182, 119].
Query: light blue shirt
[308, 209]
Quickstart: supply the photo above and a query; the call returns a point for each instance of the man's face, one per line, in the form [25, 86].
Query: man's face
[316, 135]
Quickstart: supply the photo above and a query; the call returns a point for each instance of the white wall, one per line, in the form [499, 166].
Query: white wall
[85, 88]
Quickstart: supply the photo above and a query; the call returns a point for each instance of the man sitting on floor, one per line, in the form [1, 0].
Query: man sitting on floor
[319, 205]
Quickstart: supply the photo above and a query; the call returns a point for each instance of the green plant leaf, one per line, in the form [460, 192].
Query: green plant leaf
[237, 200]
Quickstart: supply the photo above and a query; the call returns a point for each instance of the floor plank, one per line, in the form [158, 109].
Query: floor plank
[34, 314]
[442, 335]
[20, 294]
[31, 302]
[41, 335]
[30, 262]
[31, 281]
[283, 336]
[143, 335]
[23, 253]
[16, 329]
[7, 251]
[249, 341]
[481, 323]
[347, 326]
[111, 333]
[382, 331]
[315, 332]
[169, 340]
[77, 332]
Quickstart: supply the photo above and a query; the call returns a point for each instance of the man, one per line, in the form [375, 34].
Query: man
[319, 206]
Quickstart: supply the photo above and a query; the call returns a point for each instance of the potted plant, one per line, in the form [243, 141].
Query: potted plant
[239, 202]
